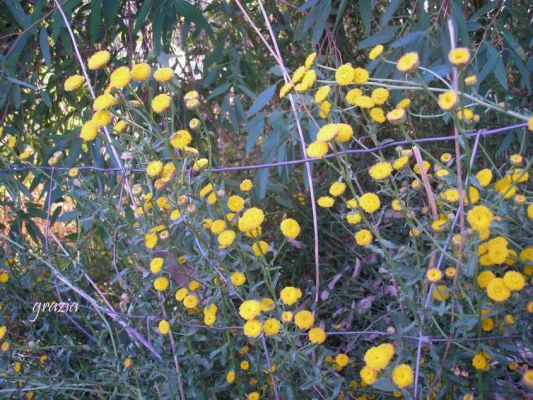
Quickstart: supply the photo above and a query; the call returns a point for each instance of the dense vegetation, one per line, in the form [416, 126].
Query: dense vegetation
[325, 199]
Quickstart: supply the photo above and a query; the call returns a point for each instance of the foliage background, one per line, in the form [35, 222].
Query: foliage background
[217, 53]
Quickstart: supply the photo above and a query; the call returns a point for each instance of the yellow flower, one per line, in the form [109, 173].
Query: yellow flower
[344, 133]
[271, 327]
[317, 149]
[99, 59]
[324, 109]
[154, 168]
[402, 375]
[451, 195]
[380, 96]
[304, 319]
[471, 80]
[530, 123]
[3, 331]
[284, 90]
[230, 377]
[484, 278]
[434, 275]
[378, 115]
[480, 218]
[246, 185]
[450, 272]
[448, 100]
[101, 118]
[368, 375]
[369, 202]
[181, 139]
[226, 239]
[352, 95]
[119, 126]
[218, 226]
[337, 189]
[235, 203]
[326, 202]
[181, 293]
[317, 335]
[298, 74]
[530, 211]
[321, 94]
[237, 279]
[163, 75]
[487, 324]
[156, 264]
[400, 163]
[190, 301]
[380, 170]
[103, 102]
[249, 309]
[440, 293]
[290, 228]
[363, 237]
[200, 164]
[161, 102]
[360, 76]
[290, 295]
[161, 284]
[150, 240]
[396, 116]
[253, 396]
[353, 218]
[375, 52]
[364, 102]
[479, 362]
[404, 103]
[310, 60]
[459, 56]
[89, 131]
[73, 82]
[251, 220]
[141, 71]
[497, 290]
[252, 328]
[164, 327]
[344, 75]
[514, 280]
[128, 362]
[527, 378]
[342, 360]
[327, 133]
[11, 140]
[120, 77]
[286, 316]
[260, 247]
[408, 63]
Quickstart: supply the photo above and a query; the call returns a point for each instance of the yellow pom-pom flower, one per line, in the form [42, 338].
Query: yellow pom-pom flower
[73, 82]
[99, 59]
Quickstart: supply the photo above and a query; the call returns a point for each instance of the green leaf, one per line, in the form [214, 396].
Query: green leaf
[219, 90]
[192, 14]
[383, 36]
[110, 10]
[321, 20]
[389, 12]
[261, 100]
[141, 16]
[96, 11]
[15, 8]
[365, 11]
[384, 384]
[254, 127]
[45, 46]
